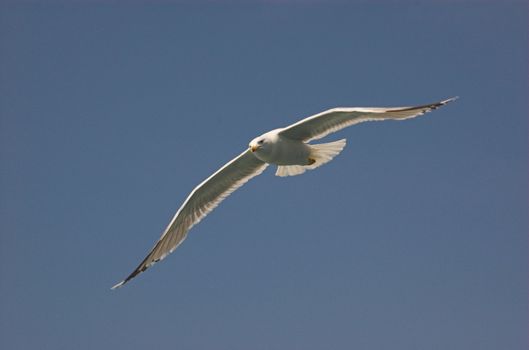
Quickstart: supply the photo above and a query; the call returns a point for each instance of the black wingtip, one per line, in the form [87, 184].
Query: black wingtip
[116, 286]
[448, 100]
[136, 272]
[431, 106]
[443, 102]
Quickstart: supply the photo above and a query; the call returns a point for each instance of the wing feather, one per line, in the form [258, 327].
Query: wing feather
[332, 120]
[200, 202]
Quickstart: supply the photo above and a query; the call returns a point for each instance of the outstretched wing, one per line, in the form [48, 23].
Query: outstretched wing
[203, 199]
[332, 120]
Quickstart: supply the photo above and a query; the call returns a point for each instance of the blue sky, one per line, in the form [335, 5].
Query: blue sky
[414, 237]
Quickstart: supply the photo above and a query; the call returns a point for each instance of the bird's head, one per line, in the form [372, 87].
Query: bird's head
[265, 144]
[257, 143]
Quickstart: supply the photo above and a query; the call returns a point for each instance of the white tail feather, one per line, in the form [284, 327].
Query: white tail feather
[325, 152]
[290, 170]
[321, 153]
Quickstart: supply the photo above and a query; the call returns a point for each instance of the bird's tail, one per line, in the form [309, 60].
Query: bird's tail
[325, 152]
[290, 170]
[319, 154]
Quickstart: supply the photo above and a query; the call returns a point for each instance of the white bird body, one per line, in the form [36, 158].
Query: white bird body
[288, 148]
[272, 148]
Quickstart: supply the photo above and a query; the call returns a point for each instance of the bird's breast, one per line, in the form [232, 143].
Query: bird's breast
[284, 152]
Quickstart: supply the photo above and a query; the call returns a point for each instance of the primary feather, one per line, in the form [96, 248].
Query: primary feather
[203, 199]
[332, 120]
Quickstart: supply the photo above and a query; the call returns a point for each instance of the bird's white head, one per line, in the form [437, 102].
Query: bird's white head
[257, 144]
[264, 143]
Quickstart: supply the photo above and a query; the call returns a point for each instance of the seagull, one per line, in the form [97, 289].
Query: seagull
[288, 148]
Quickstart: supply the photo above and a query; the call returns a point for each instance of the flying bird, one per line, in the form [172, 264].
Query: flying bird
[288, 148]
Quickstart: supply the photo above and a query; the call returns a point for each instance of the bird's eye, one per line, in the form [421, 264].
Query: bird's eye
[260, 142]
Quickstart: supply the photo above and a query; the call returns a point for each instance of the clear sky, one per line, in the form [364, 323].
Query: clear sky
[414, 237]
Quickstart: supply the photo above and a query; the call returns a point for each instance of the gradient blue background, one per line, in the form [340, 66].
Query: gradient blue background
[415, 237]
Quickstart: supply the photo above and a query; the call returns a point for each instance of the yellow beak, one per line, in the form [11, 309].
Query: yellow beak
[254, 148]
